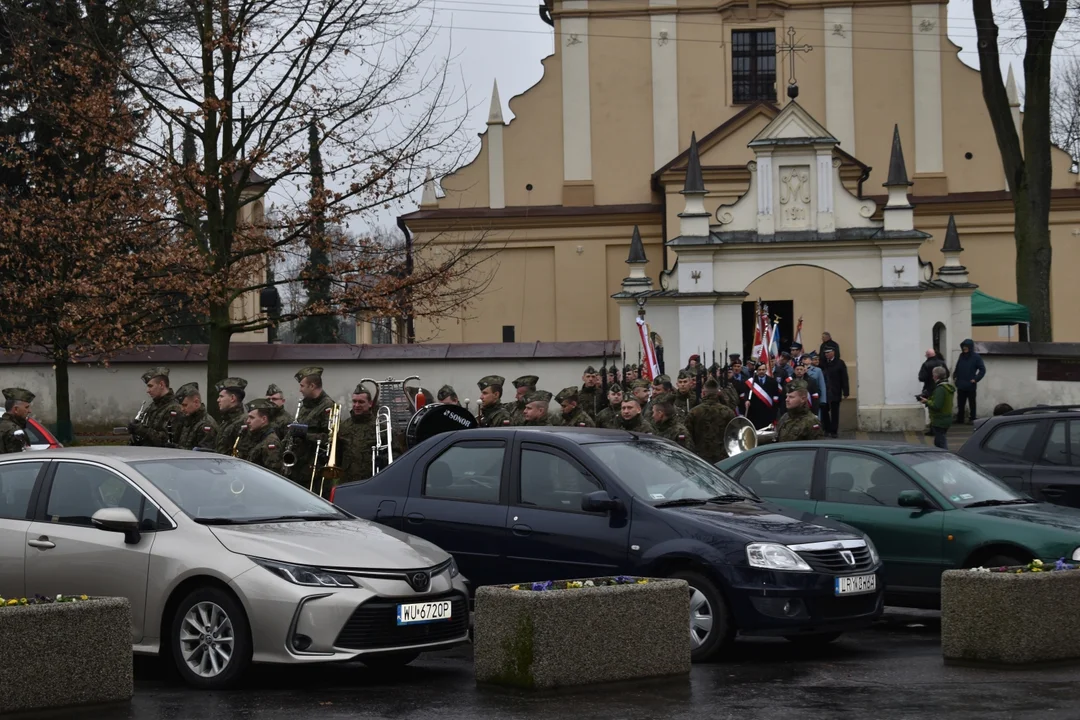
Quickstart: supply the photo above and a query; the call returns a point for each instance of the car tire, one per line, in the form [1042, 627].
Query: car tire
[216, 654]
[813, 640]
[1004, 561]
[389, 661]
[711, 626]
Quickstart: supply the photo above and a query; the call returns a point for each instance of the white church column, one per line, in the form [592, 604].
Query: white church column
[577, 120]
[696, 326]
[665, 85]
[869, 346]
[926, 45]
[728, 320]
[839, 77]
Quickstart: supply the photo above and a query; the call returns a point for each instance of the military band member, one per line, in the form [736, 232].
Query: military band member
[162, 411]
[536, 409]
[685, 397]
[312, 428]
[798, 422]
[264, 444]
[492, 413]
[573, 415]
[523, 385]
[356, 438]
[279, 414]
[230, 403]
[448, 396]
[668, 426]
[631, 417]
[197, 429]
[609, 416]
[760, 397]
[707, 423]
[13, 436]
[589, 398]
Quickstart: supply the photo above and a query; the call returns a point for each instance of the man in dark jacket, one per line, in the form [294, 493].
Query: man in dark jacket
[926, 377]
[969, 370]
[836, 388]
[826, 343]
[940, 406]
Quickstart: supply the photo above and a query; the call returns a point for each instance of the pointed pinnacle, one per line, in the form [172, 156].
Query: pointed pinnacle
[495, 114]
[897, 169]
[637, 249]
[429, 199]
[1010, 89]
[952, 237]
[695, 183]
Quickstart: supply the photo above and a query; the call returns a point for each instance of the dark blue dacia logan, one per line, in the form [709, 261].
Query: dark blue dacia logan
[533, 504]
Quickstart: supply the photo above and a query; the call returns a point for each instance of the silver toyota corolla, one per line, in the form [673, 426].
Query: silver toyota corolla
[225, 563]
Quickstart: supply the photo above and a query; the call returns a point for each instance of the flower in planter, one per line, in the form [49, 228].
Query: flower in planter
[574, 584]
[980, 569]
[515, 587]
[1062, 565]
[590, 583]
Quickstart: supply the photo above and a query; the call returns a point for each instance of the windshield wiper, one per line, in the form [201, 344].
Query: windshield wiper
[681, 501]
[994, 503]
[720, 499]
[731, 498]
[260, 520]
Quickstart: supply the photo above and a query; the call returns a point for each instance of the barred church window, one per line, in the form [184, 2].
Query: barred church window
[753, 65]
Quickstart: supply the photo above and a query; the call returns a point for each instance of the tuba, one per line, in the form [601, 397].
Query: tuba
[288, 455]
[740, 435]
[326, 467]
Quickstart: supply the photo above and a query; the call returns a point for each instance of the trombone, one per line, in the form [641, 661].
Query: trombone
[382, 429]
[288, 455]
[330, 469]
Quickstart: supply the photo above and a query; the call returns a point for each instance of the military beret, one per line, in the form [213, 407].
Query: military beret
[614, 388]
[538, 396]
[187, 390]
[446, 391]
[19, 395]
[711, 384]
[488, 381]
[274, 390]
[640, 383]
[155, 372]
[260, 404]
[685, 374]
[308, 372]
[527, 381]
[567, 394]
[590, 370]
[233, 383]
[695, 357]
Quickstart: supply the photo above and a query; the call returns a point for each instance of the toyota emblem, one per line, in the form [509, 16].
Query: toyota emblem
[419, 581]
[849, 557]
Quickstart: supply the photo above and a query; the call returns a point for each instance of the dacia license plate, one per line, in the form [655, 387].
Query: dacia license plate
[417, 613]
[856, 584]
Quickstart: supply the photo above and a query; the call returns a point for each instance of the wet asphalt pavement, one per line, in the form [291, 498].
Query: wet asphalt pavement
[893, 670]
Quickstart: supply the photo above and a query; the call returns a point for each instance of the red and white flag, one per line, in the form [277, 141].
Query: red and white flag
[649, 366]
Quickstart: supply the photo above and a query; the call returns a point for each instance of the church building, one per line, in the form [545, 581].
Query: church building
[601, 146]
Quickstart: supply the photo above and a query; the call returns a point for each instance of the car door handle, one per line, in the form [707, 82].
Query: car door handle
[523, 530]
[42, 543]
[835, 517]
[1053, 491]
[415, 518]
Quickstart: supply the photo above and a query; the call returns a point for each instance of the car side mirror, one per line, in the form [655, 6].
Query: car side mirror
[913, 499]
[599, 501]
[118, 519]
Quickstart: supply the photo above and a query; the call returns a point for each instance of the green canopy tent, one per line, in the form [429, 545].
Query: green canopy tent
[989, 310]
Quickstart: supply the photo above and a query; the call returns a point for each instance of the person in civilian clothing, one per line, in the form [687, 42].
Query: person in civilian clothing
[760, 397]
[969, 370]
[815, 373]
[826, 343]
[836, 384]
[932, 361]
[940, 406]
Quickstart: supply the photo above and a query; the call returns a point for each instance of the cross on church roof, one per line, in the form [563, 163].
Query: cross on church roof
[791, 48]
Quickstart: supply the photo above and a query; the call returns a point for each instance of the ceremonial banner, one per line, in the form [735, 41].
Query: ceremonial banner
[649, 365]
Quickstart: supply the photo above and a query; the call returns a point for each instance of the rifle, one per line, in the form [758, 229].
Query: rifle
[699, 379]
[603, 377]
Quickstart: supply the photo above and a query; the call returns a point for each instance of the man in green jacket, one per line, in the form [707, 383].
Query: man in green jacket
[940, 406]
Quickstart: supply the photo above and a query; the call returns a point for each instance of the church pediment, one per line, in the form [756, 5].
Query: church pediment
[793, 125]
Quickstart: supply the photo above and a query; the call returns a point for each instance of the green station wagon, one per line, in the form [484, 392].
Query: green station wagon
[926, 509]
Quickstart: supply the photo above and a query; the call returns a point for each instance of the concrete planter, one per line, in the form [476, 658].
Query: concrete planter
[65, 654]
[1007, 618]
[581, 636]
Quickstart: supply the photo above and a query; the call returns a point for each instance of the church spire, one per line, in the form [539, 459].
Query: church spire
[495, 113]
[952, 271]
[429, 199]
[1010, 89]
[694, 219]
[898, 214]
[637, 281]
[637, 249]
[897, 168]
[952, 238]
[695, 182]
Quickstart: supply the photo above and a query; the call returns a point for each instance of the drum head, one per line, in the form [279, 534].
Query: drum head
[435, 419]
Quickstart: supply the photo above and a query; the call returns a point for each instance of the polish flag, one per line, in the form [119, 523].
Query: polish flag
[649, 365]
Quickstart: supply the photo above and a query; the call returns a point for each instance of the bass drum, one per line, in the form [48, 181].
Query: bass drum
[435, 419]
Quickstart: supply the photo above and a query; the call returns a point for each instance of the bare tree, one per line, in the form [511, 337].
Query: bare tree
[244, 78]
[1065, 109]
[1028, 167]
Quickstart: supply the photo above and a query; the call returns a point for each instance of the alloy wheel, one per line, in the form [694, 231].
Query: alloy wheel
[206, 639]
[701, 618]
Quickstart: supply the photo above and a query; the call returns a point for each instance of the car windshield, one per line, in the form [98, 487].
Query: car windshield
[961, 482]
[661, 472]
[227, 491]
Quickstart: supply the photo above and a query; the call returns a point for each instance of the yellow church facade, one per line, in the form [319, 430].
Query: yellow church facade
[599, 146]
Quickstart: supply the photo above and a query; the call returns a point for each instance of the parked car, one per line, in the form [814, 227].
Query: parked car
[533, 504]
[926, 509]
[1034, 450]
[39, 436]
[224, 563]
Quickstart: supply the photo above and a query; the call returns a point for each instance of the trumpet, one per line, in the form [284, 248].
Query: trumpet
[330, 469]
[382, 427]
[236, 443]
[740, 435]
[135, 439]
[288, 455]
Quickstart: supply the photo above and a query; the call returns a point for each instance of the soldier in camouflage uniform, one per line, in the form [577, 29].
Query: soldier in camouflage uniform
[707, 423]
[279, 415]
[685, 398]
[356, 438]
[590, 399]
[264, 446]
[640, 390]
[572, 413]
[492, 413]
[536, 409]
[312, 428]
[668, 426]
[631, 418]
[13, 437]
[163, 411]
[662, 389]
[198, 430]
[798, 422]
[609, 416]
[523, 385]
[230, 402]
[448, 396]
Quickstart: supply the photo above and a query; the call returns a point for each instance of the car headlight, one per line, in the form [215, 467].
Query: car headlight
[1076, 554]
[873, 551]
[453, 568]
[774, 557]
[303, 575]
